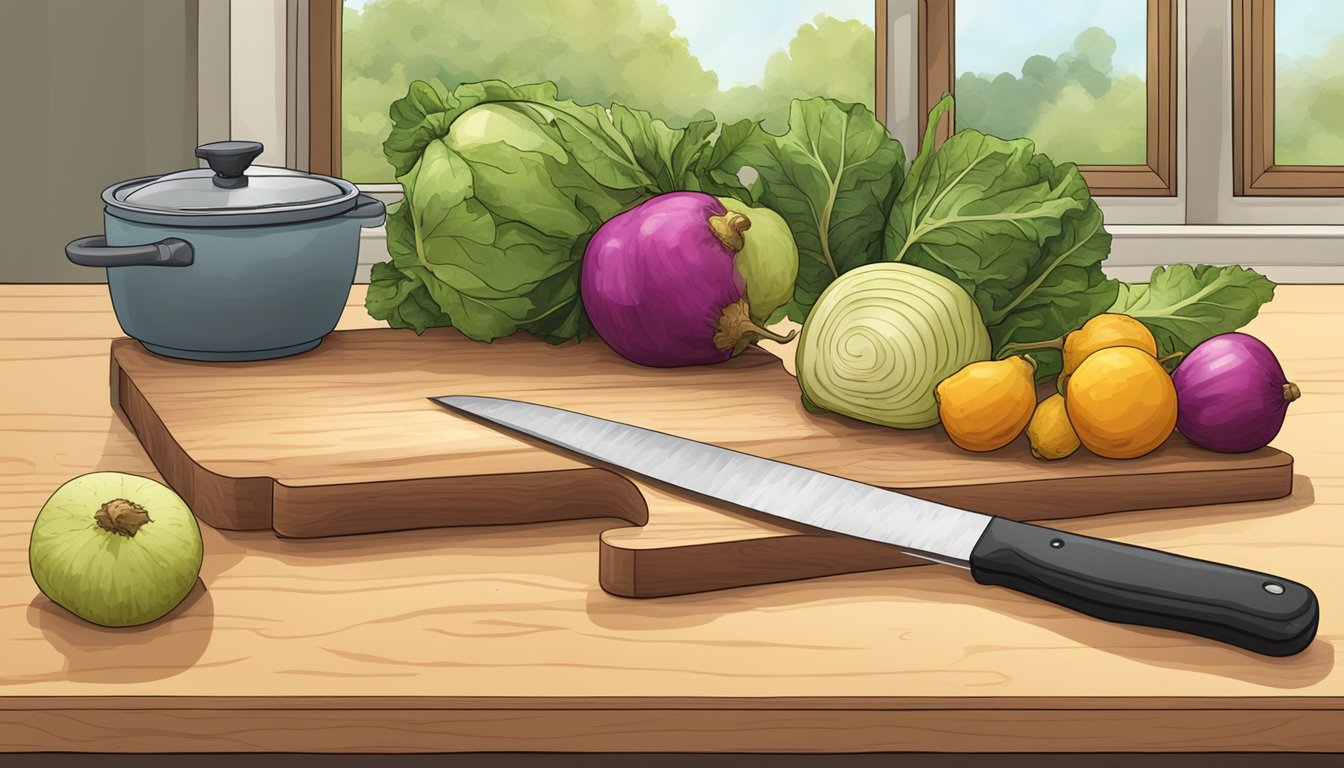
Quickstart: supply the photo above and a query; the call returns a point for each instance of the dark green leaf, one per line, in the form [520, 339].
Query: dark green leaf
[831, 177]
[401, 300]
[1184, 305]
[1021, 234]
[651, 143]
[719, 167]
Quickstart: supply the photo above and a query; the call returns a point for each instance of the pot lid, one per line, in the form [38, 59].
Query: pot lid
[231, 186]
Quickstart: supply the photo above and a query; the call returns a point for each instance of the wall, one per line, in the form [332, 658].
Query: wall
[93, 92]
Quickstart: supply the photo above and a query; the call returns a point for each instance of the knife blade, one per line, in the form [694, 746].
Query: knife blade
[1105, 579]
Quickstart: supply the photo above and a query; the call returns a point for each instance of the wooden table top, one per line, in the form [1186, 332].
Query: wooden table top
[500, 639]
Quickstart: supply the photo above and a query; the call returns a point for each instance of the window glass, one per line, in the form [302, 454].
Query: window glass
[1309, 82]
[678, 59]
[1070, 75]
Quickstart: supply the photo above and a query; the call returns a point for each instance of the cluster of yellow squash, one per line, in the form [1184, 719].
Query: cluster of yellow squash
[1114, 397]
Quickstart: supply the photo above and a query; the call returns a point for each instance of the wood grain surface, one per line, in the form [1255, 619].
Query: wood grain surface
[501, 638]
[343, 440]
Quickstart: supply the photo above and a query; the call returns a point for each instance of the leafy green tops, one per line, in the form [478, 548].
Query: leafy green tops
[504, 186]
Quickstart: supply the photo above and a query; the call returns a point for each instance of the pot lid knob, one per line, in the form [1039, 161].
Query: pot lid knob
[228, 159]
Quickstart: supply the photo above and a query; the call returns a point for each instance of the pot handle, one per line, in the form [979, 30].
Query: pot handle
[370, 209]
[94, 251]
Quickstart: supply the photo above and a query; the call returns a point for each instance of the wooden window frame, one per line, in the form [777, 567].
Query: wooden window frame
[324, 86]
[1254, 172]
[1156, 178]
[324, 80]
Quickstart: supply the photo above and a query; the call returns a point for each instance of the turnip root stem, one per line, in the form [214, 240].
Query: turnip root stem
[736, 330]
[728, 228]
[1291, 392]
[121, 516]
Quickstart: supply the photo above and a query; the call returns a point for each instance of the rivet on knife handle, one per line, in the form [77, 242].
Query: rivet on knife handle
[1134, 585]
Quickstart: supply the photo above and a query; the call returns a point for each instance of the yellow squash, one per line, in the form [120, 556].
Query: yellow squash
[1101, 332]
[1050, 433]
[985, 405]
[1121, 402]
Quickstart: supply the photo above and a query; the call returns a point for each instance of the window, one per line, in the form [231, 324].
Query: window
[1090, 83]
[678, 59]
[1212, 105]
[1288, 97]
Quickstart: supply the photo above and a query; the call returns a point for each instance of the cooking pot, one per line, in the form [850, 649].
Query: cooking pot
[233, 262]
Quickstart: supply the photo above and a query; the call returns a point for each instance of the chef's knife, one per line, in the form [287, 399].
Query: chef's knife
[1105, 579]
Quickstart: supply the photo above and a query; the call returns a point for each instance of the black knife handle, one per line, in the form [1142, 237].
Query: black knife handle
[1134, 585]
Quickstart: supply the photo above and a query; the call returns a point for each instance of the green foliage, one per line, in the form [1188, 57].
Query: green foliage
[832, 176]
[401, 298]
[595, 52]
[1019, 233]
[828, 57]
[1071, 105]
[1309, 108]
[505, 185]
[1184, 305]
[1086, 129]
[503, 188]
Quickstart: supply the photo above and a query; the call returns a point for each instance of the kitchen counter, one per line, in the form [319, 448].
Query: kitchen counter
[500, 639]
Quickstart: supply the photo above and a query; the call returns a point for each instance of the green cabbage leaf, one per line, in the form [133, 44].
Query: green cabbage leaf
[1020, 233]
[1185, 305]
[832, 177]
[504, 186]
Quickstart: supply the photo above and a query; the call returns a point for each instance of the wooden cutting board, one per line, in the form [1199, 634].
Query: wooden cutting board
[342, 440]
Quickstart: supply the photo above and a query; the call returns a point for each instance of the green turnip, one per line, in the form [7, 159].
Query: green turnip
[115, 549]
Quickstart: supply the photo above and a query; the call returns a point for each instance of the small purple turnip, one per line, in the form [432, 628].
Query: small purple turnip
[680, 280]
[1232, 394]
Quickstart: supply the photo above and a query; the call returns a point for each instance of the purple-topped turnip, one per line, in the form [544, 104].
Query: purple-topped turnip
[686, 278]
[1232, 394]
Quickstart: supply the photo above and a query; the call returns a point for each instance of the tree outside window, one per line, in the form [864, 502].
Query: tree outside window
[677, 59]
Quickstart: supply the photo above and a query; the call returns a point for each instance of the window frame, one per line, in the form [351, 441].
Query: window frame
[1156, 178]
[324, 84]
[1254, 172]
